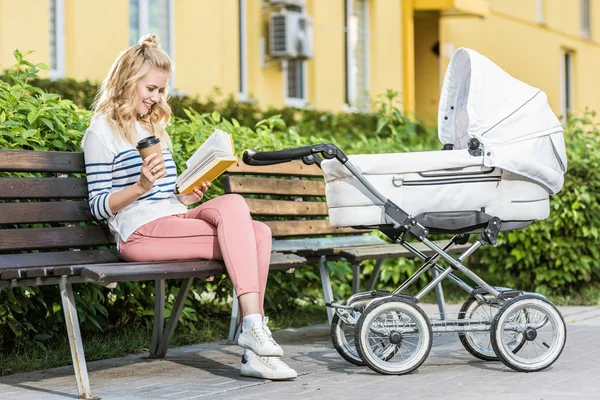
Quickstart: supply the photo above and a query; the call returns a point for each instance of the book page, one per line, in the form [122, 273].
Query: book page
[209, 161]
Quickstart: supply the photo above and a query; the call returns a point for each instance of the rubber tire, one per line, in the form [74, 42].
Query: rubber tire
[362, 327]
[337, 336]
[496, 334]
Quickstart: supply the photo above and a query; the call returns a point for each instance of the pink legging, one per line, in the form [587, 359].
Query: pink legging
[220, 229]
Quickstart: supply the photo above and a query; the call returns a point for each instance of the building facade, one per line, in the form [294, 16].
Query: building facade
[352, 50]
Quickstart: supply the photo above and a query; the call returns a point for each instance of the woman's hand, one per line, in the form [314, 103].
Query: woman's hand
[195, 196]
[153, 168]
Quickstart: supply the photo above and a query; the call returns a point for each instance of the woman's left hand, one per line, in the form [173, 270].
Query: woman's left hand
[195, 196]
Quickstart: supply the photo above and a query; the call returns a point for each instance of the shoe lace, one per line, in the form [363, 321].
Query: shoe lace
[274, 362]
[265, 322]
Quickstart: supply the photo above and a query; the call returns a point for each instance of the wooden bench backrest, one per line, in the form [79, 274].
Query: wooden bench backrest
[289, 197]
[50, 210]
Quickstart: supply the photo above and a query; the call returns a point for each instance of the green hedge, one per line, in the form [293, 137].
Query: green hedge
[557, 256]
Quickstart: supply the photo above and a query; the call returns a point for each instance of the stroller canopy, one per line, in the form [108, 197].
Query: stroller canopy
[512, 120]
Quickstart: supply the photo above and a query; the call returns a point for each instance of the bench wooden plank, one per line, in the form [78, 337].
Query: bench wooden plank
[144, 271]
[173, 269]
[286, 208]
[41, 161]
[307, 228]
[41, 212]
[314, 245]
[50, 238]
[297, 168]
[43, 188]
[273, 186]
[390, 250]
[58, 258]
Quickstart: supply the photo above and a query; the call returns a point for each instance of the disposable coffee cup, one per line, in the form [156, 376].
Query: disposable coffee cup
[149, 145]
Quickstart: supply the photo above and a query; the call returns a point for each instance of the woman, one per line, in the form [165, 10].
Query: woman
[151, 222]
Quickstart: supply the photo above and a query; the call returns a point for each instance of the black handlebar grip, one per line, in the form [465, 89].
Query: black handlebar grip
[253, 157]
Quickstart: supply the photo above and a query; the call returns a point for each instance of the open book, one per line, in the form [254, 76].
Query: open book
[211, 159]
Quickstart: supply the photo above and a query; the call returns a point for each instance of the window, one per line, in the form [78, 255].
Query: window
[153, 16]
[566, 82]
[243, 93]
[57, 39]
[586, 30]
[540, 11]
[294, 72]
[357, 55]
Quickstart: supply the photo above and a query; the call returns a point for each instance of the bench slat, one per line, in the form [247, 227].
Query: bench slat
[291, 168]
[391, 250]
[43, 188]
[40, 212]
[287, 208]
[150, 271]
[307, 228]
[56, 259]
[174, 269]
[311, 246]
[284, 187]
[41, 161]
[49, 238]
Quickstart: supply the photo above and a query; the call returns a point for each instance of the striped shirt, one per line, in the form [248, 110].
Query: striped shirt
[111, 164]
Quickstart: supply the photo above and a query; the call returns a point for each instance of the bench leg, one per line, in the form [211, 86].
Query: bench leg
[355, 278]
[72, 323]
[174, 318]
[159, 316]
[326, 283]
[439, 294]
[375, 274]
[234, 325]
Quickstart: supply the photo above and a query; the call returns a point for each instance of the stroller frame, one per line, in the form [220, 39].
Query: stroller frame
[383, 322]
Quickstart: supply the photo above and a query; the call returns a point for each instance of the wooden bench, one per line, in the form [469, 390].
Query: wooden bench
[290, 198]
[65, 250]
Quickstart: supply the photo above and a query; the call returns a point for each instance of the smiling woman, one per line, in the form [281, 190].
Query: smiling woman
[150, 221]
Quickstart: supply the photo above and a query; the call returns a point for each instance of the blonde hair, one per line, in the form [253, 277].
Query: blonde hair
[116, 94]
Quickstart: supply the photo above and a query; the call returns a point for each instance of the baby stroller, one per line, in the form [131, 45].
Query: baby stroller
[503, 155]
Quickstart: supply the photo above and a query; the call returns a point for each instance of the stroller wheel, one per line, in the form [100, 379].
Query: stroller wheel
[342, 337]
[393, 336]
[534, 321]
[479, 343]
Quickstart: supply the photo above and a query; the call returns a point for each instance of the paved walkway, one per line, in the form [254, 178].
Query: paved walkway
[211, 370]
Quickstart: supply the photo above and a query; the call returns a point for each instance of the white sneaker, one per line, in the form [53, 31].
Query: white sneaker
[259, 340]
[266, 368]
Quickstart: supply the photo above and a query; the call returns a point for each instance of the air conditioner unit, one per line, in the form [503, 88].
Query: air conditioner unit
[291, 35]
[296, 3]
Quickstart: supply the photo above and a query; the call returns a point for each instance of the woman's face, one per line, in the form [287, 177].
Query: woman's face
[149, 90]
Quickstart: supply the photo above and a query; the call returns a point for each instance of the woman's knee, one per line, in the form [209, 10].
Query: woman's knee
[262, 231]
[236, 201]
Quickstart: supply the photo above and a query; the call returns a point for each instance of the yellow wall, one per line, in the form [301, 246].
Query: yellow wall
[326, 78]
[95, 33]
[400, 57]
[206, 46]
[427, 69]
[385, 47]
[530, 51]
[26, 30]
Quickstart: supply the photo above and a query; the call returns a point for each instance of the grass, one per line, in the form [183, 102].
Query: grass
[132, 340]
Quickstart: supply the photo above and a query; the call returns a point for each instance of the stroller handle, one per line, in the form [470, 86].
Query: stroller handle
[308, 155]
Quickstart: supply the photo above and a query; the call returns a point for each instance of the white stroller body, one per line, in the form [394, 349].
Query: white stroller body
[507, 157]
[520, 159]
